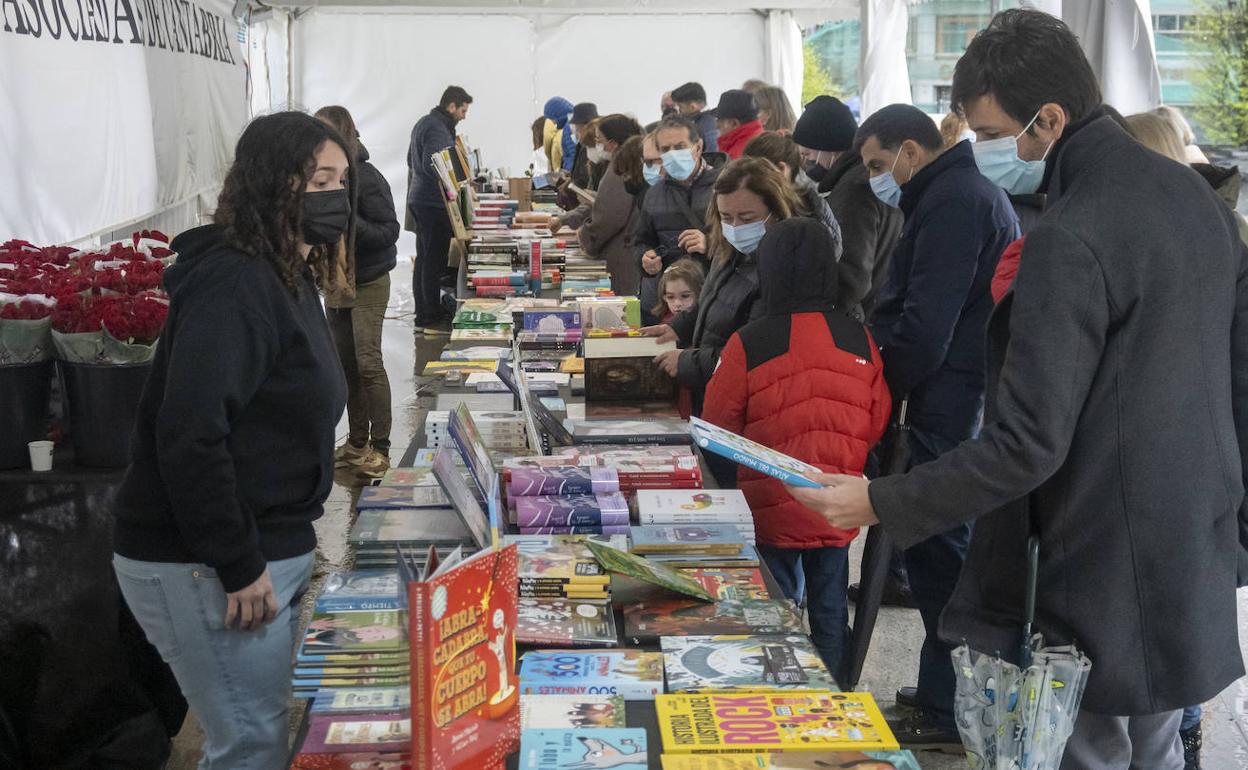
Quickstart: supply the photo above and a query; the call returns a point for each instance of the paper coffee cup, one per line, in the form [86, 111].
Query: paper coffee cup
[40, 455]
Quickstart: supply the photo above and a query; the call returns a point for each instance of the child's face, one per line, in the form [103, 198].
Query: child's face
[678, 295]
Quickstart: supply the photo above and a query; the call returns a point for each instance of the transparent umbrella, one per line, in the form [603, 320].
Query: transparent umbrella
[1019, 717]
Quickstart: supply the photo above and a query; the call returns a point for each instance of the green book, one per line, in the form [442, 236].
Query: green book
[641, 568]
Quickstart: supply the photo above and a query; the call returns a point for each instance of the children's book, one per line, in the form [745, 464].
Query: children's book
[620, 749]
[746, 559]
[692, 506]
[731, 583]
[752, 454]
[713, 539]
[359, 590]
[746, 723]
[802, 760]
[462, 622]
[645, 622]
[744, 663]
[627, 378]
[380, 631]
[372, 700]
[409, 477]
[368, 732]
[560, 559]
[552, 321]
[467, 438]
[424, 526]
[402, 497]
[551, 712]
[466, 505]
[634, 566]
[566, 623]
[530, 482]
[572, 510]
[633, 674]
[462, 367]
[353, 761]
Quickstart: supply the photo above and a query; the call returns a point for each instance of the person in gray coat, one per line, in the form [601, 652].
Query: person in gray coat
[1117, 409]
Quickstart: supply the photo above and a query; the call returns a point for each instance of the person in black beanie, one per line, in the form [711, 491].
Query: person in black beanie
[869, 229]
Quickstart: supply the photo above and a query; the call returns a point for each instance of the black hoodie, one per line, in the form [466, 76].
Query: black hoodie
[797, 270]
[376, 224]
[234, 440]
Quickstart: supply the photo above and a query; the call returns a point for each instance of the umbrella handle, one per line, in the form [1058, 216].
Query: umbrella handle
[1033, 578]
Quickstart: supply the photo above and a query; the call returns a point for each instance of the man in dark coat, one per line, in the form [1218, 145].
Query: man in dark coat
[929, 324]
[1118, 376]
[869, 229]
[691, 103]
[425, 200]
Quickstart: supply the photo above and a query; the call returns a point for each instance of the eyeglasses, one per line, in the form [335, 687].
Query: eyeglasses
[653, 162]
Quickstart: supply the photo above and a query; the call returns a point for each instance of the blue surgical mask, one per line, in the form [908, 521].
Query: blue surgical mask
[886, 188]
[651, 173]
[998, 161]
[679, 164]
[745, 238]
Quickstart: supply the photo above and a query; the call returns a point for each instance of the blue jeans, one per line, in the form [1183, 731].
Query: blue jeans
[1191, 718]
[236, 682]
[823, 573]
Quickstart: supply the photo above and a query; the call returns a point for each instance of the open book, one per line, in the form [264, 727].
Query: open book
[752, 454]
[584, 196]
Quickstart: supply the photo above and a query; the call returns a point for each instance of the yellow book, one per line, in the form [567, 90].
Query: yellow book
[467, 367]
[572, 365]
[750, 723]
[802, 760]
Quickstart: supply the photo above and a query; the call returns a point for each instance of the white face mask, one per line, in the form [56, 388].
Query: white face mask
[595, 154]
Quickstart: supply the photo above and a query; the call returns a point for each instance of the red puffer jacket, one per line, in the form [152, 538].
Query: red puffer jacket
[810, 385]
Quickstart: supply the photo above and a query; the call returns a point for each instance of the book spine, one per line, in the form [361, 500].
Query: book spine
[662, 439]
[480, 281]
[703, 517]
[420, 651]
[606, 529]
[755, 463]
[497, 291]
[548, 514]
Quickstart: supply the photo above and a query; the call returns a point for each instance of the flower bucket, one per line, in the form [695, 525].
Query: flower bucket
[102, 403]
[23, 410]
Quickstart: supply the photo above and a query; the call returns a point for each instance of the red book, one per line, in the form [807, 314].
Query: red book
[496, 291]
[352, 761]
[465, 694]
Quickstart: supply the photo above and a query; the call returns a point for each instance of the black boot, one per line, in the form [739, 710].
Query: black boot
[1191, 747]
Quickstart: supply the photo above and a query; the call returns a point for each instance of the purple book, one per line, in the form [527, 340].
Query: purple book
[531, 482]
[332, 733]
[604, 530]
[572, 511]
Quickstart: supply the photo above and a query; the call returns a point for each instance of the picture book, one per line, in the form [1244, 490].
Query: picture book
[359, 590]
[744, 663]
[409, 477]
[731, 583]
[586, 749]
[626, 378]
[565, 623]
[720, 723]
[362, 700]
[462, 621]
[655, 431]
[752, 454]
[370, 732]
[379, 631]
[529, 482]
[402, 497]
[463, 430]
[572, 510]
[687, 538]
[645, 622]
[551, 321]
[633, 674]
[421, 526]
[634, 566]
[610, 313]
[687, 506]
[559, 559]
[801, 760]
[551, 712]
[461, 497]
[353, 761]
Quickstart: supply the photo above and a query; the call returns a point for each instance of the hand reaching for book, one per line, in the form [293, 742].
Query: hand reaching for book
[843, 500]
[254, 606]
[669, 361]
[664, 333]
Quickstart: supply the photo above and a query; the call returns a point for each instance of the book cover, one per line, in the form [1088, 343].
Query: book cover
[747, 559]
[744, 663]
[353, 761]
[530, 482]
[571, 510]
[656, 431]
[463, 429]
[483, 334]
[731, 583]
[572, 365]
[359, 590]
[802, 760]
[632, 565]
[463, 367]
[402, 497]
[372, 700]
[462, 621]
[586, 749]
[752, 454]
[566, 623]
[409, 477]
[424, 525]
[621, 378]
[692, 506]
[477, 353]
[552, 321]
[610, 312]
[370, 732]
[461, 497]
[717, 539]
[308, 688]
[645, 622]
[553, 712]
[587, 529]
[578, 591]
[628, 411]
[352, 672]
[560, 558]
[718, 723]
[633, 674]
[379, 631]
[624, 346]
[353, 659]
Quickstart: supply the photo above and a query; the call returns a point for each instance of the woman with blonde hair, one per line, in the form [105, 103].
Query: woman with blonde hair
[1157, 134]
[774, 109]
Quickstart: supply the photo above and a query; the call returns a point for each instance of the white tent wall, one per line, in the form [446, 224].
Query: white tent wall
[1117, 36]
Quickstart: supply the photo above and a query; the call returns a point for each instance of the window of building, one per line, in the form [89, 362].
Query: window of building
[954, 33]
[944, 99]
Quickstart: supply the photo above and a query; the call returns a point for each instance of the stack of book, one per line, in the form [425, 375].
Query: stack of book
[631, 674]
[704, 506]
[567, 501]
[377, 532]
[690, 545]
[499, 430]
[493, 213]
[659, 431]
[658, 467]
[619, 366]
[610, 313]
[558, 712]
[743, 663]
[562, 567]
[356, 638]
[566, 623]
[490, 267]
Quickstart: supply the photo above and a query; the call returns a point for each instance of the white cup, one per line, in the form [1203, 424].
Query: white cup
[40, 455]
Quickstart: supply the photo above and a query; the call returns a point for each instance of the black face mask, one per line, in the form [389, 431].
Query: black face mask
[325, 216]
[814, 170]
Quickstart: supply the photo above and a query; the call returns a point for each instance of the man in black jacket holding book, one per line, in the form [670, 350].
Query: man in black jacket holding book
[432, 134]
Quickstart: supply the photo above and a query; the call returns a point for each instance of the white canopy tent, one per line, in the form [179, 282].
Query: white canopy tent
[138, 132]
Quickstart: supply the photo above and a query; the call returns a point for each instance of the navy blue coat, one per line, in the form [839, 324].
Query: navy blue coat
[931, 315]
[432, 133]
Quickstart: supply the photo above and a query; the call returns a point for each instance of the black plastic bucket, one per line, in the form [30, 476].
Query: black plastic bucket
[24, 392]
[102, 402]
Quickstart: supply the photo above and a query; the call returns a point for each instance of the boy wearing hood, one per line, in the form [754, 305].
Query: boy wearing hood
[806, 380]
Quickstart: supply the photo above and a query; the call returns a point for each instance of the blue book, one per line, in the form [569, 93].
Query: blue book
[720, 539]
[583, 749]
[361, 590]
[633, 674]
[752, 454]
[401, 498]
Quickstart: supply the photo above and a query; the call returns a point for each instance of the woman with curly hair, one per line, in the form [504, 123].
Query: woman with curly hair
[233, 449]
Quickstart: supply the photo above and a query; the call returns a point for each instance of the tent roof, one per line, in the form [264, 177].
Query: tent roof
[832, 8]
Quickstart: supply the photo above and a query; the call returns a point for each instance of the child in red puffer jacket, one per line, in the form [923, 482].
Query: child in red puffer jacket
[806, 380]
